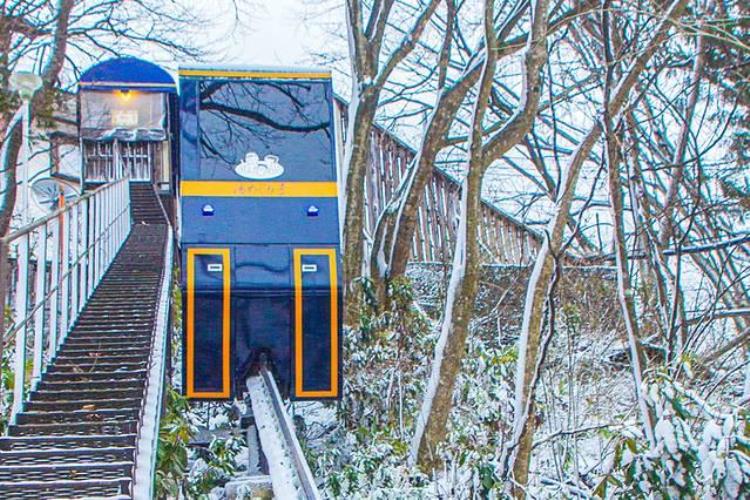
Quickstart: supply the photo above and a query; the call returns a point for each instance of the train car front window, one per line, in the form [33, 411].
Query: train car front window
[265, 130]
[123, 114]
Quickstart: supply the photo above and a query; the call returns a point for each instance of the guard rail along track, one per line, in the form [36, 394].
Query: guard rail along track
[90, 292]
[290, 475]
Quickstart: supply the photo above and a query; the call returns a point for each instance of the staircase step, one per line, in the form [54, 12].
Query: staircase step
[107, 307]
[122, 330]
[104, 343]
[61, 455]
[89, 415]
[102, 322]
[74, 429]
[99, 357]
[90, 394]
[97, 367]
[66, 442]
[109, 350]
[128, 383]
[108, 337]
[81, 404]
[64, 489]
[98, 376]
[53, 472]
[106, 340]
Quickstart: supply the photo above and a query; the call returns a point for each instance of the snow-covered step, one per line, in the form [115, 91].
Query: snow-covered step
[34, 443]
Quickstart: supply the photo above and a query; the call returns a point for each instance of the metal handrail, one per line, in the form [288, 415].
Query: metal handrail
[54, 288]
[73, 248]
[54, 215]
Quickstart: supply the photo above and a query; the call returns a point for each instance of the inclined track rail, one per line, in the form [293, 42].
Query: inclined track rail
[290, 474]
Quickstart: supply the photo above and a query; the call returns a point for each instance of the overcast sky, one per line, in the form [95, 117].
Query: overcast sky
[274, 32]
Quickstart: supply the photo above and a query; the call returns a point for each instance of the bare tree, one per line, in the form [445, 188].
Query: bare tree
[391, 249]
[372, 64]
[516, 455]
[465, 272]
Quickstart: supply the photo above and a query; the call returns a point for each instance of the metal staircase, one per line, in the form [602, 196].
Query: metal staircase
[79, 432]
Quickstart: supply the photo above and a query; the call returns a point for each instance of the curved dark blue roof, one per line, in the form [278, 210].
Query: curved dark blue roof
[127, 73]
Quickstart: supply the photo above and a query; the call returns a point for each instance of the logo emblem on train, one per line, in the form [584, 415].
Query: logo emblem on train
[252, 167]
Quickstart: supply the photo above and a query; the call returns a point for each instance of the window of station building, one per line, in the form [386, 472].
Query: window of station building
[124, 114]
[288, 124]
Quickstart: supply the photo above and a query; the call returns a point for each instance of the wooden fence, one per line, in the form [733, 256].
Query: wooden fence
[504, 239]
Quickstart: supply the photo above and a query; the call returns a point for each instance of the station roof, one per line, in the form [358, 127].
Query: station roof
[128, 73]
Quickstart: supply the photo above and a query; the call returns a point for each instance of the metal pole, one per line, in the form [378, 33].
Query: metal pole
[26, 119]
[21, 310]
[39, 295]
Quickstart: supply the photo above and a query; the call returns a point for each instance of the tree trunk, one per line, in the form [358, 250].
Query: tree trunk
[8, 161]
[356, 160]
[625, 291]
[464, 281]
[465, 272]
[369, 77]
[517, 452]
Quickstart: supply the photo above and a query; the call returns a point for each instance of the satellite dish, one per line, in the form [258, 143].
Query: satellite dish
[48, 193]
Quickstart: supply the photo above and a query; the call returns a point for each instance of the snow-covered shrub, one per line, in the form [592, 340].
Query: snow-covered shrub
[215, 467]
[6, 390]
[387, 361]
[384, 363]
[698, 451]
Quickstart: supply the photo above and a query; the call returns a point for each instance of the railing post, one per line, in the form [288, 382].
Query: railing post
[84, 255]
[90, 238]
[54, 278]
[3, 295]
[65, 281]
[74, 244]
[21, 307]
[108, 238]
[39, 296]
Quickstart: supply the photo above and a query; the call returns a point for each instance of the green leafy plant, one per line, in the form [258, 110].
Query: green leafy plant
[172, 455]
[215, 467]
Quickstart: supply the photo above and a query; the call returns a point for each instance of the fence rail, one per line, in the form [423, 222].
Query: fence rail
[505, 239]
[59, 261]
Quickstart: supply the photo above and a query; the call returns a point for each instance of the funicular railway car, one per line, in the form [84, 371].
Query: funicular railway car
[259, 230]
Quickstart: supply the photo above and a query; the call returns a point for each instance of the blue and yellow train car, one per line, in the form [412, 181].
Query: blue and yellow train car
[259, 230]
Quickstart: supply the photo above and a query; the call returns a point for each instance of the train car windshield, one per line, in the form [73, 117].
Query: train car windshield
[125, 115]
[266, 130]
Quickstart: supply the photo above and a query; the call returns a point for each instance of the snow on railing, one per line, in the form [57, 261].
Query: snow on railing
[48, 271]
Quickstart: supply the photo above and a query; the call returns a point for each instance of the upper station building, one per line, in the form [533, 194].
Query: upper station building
[127, 124]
